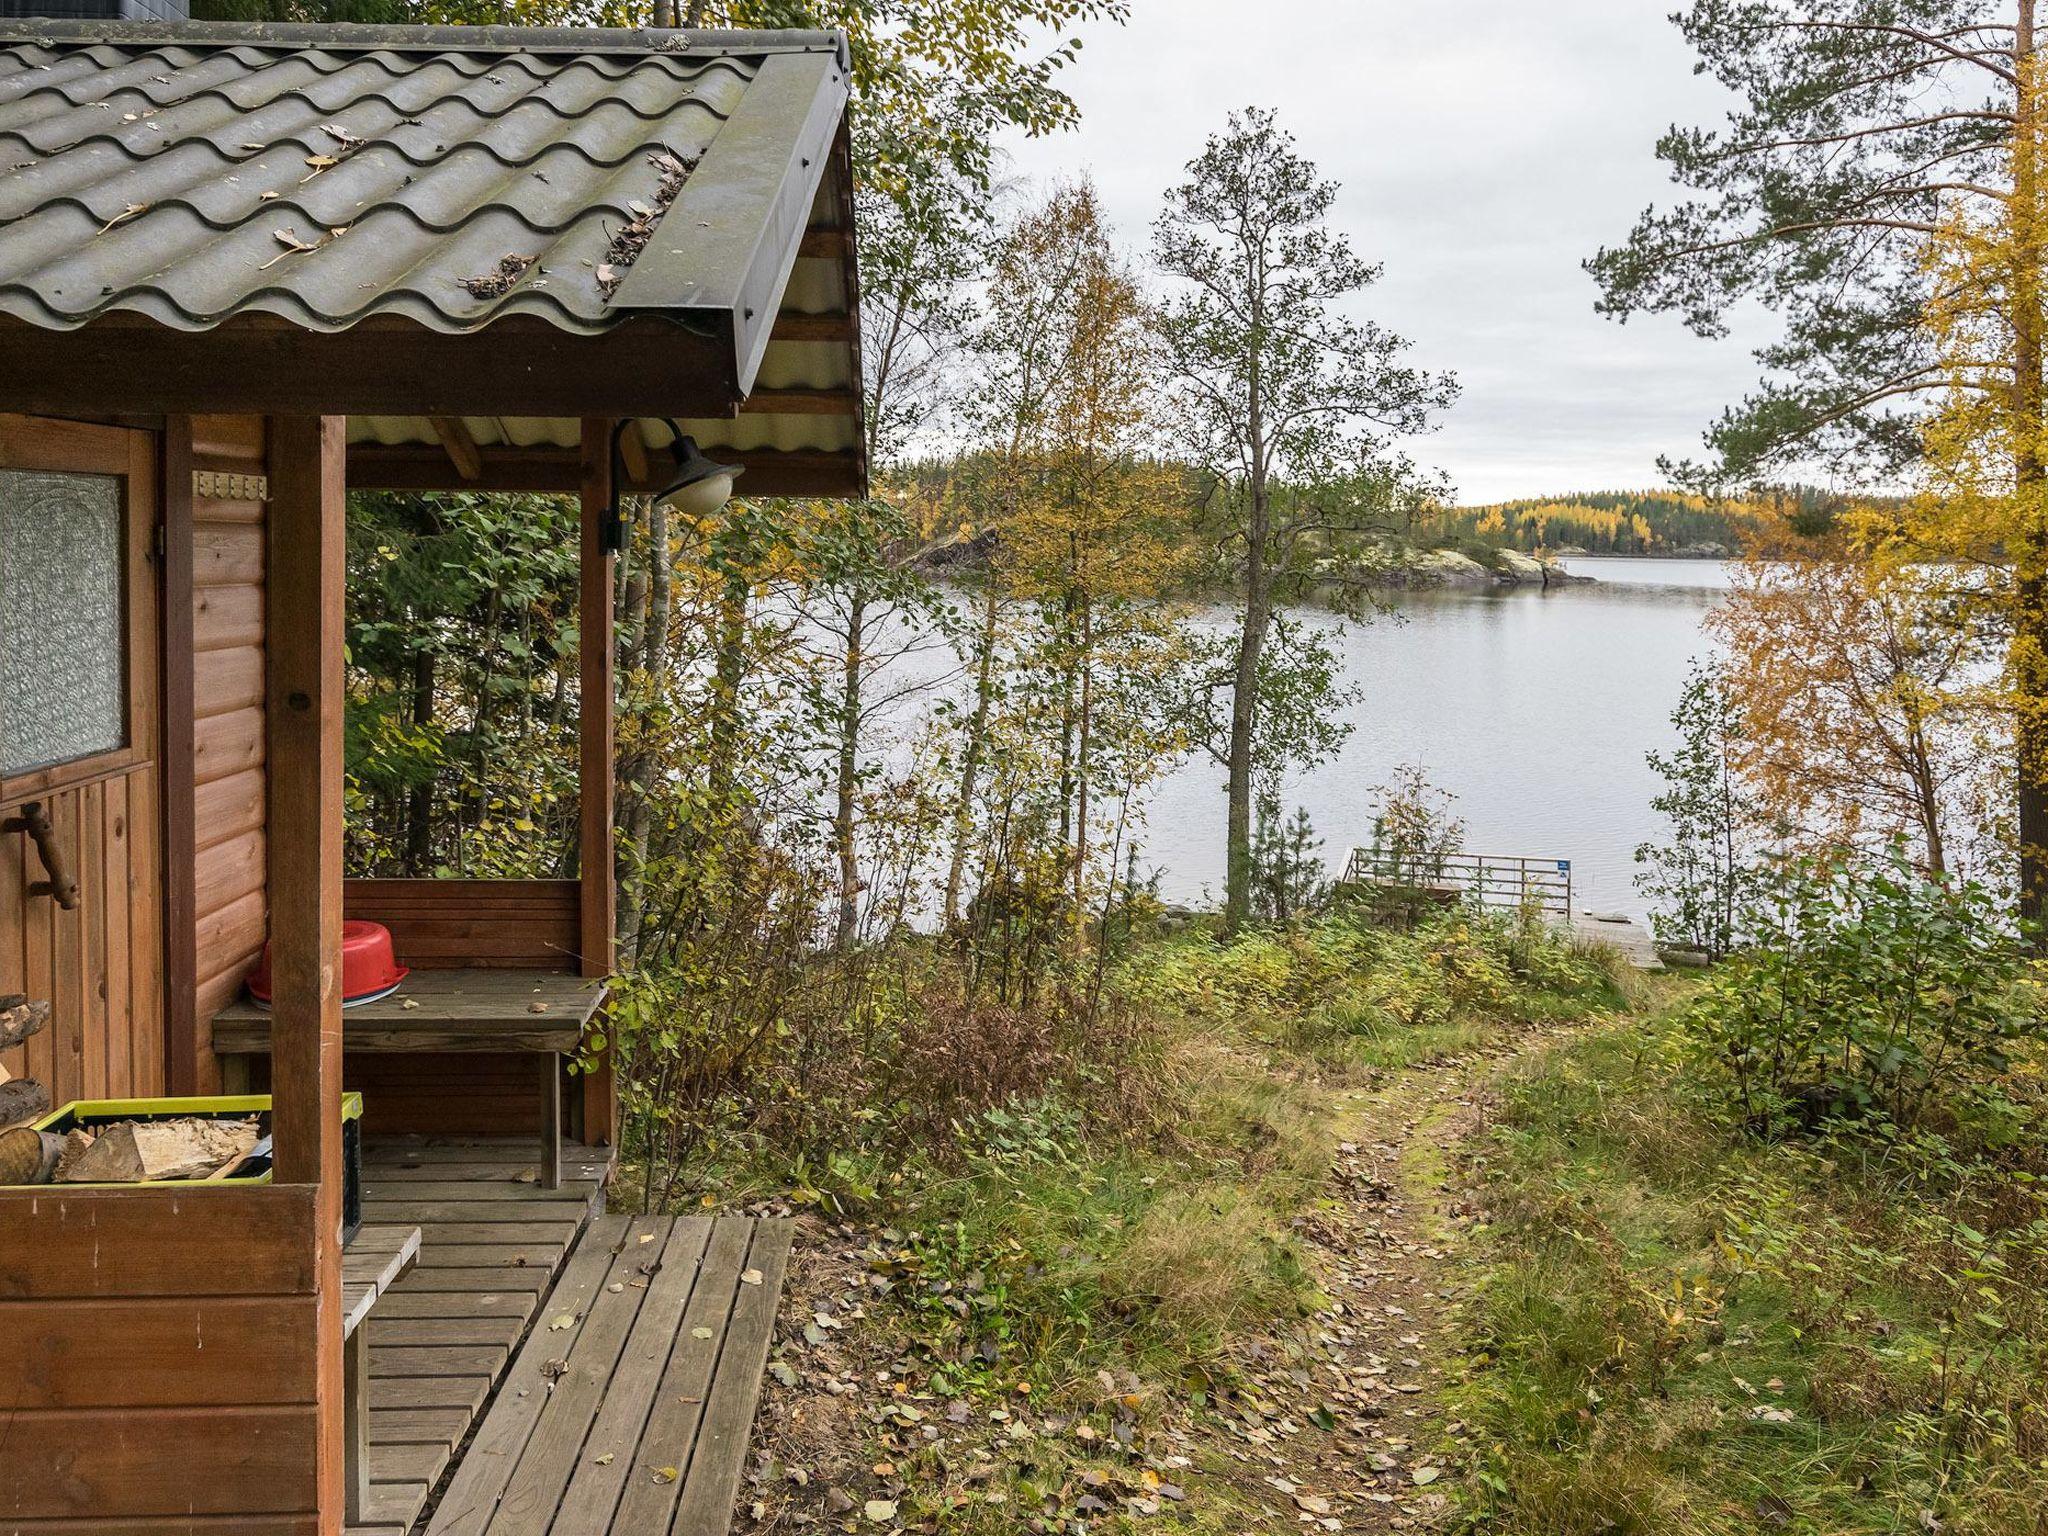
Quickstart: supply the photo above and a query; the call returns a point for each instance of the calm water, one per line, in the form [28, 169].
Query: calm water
[1533, 708]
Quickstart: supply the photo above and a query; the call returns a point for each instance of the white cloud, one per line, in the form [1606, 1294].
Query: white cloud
[1484, 151]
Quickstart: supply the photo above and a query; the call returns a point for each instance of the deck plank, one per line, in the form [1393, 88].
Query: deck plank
[593, 1494]
[376, 1187]
[535, 1490]
[632, 1417]
[719, 1456]
[671, 1429]
[501, 1331]
[475, 1289]
[479, 1482]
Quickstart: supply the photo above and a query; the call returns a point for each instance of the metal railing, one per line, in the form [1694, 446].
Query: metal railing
[1489, 879]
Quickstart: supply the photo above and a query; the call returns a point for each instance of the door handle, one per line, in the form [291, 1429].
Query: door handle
[60, 887]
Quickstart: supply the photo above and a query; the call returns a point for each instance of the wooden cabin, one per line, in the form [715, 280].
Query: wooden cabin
[244, 269]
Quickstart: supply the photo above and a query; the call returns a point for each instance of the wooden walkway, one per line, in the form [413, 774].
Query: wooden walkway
[628, 1410]
[491, 1241]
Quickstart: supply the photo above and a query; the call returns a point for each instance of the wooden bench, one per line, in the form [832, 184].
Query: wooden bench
[483, 1011]
[372, 1262]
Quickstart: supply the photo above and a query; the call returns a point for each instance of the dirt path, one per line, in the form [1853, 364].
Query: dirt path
[1352, 1434]
[1334, 1424]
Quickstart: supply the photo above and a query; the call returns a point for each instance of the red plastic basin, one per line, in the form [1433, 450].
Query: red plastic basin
[369, 967]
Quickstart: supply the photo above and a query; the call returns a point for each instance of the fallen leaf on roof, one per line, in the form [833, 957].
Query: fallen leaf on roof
[123, 216]
[293, 245]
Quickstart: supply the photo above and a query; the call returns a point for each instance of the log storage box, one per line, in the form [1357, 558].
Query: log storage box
[91, 1115]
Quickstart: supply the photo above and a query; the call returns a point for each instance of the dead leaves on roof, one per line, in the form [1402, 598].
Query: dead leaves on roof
[346, 144]
[632, 237]
[491, 284]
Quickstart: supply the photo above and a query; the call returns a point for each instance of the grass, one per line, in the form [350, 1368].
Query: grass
[1684, 1328]
[1094, 1252]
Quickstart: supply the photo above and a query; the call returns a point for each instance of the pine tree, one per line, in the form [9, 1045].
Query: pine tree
[1880, 188]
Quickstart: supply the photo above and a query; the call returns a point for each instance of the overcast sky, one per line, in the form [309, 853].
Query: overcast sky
[1484, 151]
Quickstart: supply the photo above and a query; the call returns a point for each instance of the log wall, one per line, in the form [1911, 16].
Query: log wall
[160, 1361]
[526, 925]
[229, 781]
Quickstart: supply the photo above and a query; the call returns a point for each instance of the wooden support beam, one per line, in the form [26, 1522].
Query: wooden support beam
[801, 402]
[424, 467]
[794, 327]
[187, 1054]
[595, 759]
[460, 446]
[308, 490]
[825, 243]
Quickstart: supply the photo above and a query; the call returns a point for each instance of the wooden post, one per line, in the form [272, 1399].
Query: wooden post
[599, 896]
[185, 1050]
[307, 511]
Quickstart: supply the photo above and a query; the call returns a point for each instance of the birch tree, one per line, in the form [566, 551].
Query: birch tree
[1283, 393]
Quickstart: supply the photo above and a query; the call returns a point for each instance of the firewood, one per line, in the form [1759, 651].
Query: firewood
[20, 1018]
[132, 1151]
[21, 1101]
[29, 1156]
[76, 1141]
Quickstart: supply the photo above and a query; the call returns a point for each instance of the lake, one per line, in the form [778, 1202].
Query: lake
[1534, 708]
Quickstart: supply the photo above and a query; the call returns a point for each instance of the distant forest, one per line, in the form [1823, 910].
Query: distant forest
[1624, 522]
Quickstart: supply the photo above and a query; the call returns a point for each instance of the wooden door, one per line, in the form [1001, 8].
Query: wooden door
[81, 879]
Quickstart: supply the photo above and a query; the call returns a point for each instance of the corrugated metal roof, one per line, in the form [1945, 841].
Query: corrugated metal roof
[177, 179]
[204, 177]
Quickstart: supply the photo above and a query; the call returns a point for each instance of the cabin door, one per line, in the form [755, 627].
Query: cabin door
[81, 880]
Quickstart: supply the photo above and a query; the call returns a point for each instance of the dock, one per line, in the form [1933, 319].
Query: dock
[1534, 887]
[1619, 931]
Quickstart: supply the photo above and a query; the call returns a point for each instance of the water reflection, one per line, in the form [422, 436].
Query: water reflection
[1534, 708]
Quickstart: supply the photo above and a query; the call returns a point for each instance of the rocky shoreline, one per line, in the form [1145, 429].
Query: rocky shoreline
[1427, 568]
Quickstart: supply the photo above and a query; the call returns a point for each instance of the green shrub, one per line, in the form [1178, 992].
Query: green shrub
[1870, 990]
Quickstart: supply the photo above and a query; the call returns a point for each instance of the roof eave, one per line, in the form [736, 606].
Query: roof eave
[648, 366]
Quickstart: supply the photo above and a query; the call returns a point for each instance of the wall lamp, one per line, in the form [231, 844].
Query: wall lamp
[701, 486]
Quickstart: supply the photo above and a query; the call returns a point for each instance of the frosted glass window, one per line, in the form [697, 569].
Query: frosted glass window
[62, 641]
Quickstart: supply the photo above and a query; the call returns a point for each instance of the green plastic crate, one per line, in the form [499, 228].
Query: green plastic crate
[87, 1113]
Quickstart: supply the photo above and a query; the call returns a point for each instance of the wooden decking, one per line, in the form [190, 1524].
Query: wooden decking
[491, 1243]
[627, 1411]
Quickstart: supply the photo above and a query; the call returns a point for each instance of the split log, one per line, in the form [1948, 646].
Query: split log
[21, 1101]
[29, 1156]
[76, 1142]
[133, 1151]
[20, 1018]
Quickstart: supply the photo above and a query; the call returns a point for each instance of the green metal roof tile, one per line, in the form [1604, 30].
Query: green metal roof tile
[157, 171]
